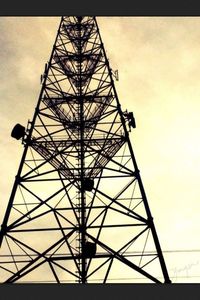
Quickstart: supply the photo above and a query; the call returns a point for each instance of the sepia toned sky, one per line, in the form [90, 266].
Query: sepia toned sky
[158, 59]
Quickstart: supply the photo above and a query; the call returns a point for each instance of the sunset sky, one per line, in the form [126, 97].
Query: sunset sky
[158, 60]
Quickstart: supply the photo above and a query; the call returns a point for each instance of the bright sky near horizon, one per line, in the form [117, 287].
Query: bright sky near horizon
[158, 61]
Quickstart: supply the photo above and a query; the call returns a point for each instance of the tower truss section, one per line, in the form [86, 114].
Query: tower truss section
[78, 211]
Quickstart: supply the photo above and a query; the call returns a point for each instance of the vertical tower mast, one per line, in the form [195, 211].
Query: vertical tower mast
[82, 158]
[78, 211]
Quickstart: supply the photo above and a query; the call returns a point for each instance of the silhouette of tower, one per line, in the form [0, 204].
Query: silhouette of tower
[78, 210]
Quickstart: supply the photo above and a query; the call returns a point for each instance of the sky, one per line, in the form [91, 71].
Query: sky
[158, 62]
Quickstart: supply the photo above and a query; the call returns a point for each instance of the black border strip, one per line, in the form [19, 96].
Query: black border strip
[101, 8]
[100, 291]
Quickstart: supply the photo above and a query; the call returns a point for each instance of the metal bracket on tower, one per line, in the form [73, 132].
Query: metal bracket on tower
[129, 117]
[115, 73]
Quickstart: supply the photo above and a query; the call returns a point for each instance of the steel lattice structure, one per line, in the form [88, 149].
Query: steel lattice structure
[78, 210]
